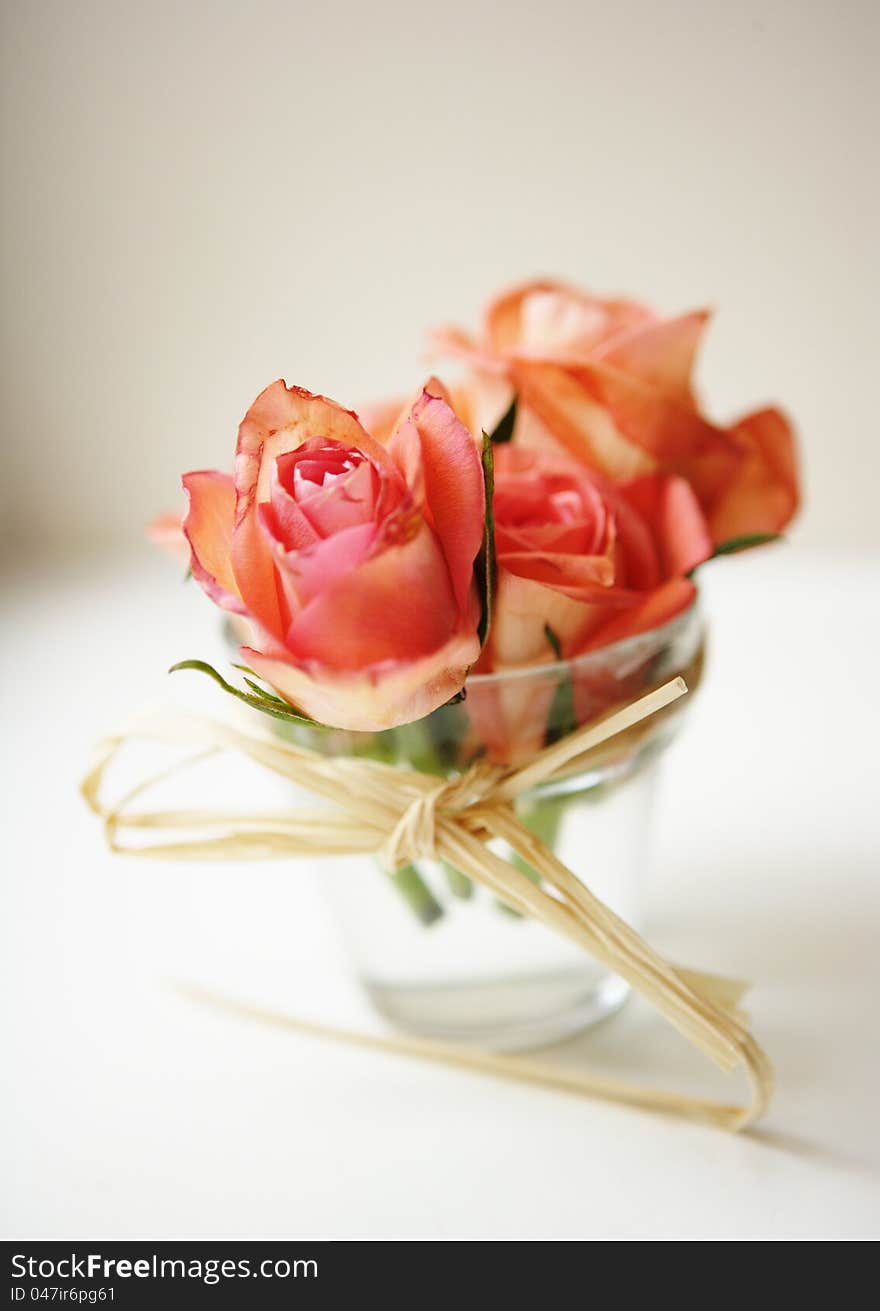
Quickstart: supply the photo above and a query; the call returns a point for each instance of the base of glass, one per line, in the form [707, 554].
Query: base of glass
[501, 1015]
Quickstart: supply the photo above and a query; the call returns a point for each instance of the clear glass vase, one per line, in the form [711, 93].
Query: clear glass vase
[439, 955]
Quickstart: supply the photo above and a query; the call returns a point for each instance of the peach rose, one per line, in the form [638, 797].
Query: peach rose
[591, 560]
[611, 382]
[352, 562]
[582, 563]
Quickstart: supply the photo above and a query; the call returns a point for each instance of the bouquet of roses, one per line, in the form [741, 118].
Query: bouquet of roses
[552, 504]
[466, 613]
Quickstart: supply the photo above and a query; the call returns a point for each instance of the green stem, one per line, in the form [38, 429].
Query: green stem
[416, 893]
[459, 884]
[543, 817]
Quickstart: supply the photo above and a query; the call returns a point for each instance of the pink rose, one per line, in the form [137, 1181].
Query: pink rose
[353, 562]
[610, 381]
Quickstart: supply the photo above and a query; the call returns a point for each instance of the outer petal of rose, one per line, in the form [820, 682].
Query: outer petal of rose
[451, 341]
[763, 494]
[166, 530]
[481, 400]
[208, 529]
[679, 527]
[661, 353]
[658, 607]
[584, 577]
[382, 418]
[550, 320]
[523, 610]
[637, 562]
[581, 575]
[280, 419]
[574, 417]
[502, 317]
[376, 698]
[396, 605]
[562, 538]
[453, 490]
[544, 317]
[666, 428]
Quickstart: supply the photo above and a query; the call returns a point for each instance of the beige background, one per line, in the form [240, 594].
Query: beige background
[204, 196]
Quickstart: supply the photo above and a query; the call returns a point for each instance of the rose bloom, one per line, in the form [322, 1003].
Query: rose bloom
[596, 560]
[582, 564]
[591, 560]
[610, 382]
[350, 561]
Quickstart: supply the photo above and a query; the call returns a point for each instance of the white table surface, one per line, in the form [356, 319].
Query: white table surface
[129, 1112]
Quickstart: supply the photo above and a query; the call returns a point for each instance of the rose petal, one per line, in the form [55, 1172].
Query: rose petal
[668, 505]
[348, 501]
[664, 427]
[763, 495]
[523, 609]
[208, 529]
[397, 605]
[285, 519]
[375, 698]
[661, 353]
[658, 607]
[306, 574]
[452, 484]
[578, 420]
[280, 420]
[558, 538]
[583, 577]
[167, 530]
[551, 320]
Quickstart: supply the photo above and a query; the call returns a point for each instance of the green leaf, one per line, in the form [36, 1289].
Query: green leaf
[265, 701]
[485, 566]
[561, 718]
[506, 424]
[733, 545]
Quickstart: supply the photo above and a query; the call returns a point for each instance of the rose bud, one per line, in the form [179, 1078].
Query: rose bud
[352, 562]
[610, 381]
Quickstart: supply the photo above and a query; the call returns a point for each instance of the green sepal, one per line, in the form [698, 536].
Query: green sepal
[260, 691]
[485, 566]
[503, 430]
[259, 699]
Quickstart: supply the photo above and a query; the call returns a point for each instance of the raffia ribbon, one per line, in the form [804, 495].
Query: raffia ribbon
[403, 815]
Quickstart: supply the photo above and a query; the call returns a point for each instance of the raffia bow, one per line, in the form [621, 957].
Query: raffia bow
[402, 815]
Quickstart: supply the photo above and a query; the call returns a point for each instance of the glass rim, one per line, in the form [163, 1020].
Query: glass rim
[557, 668]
